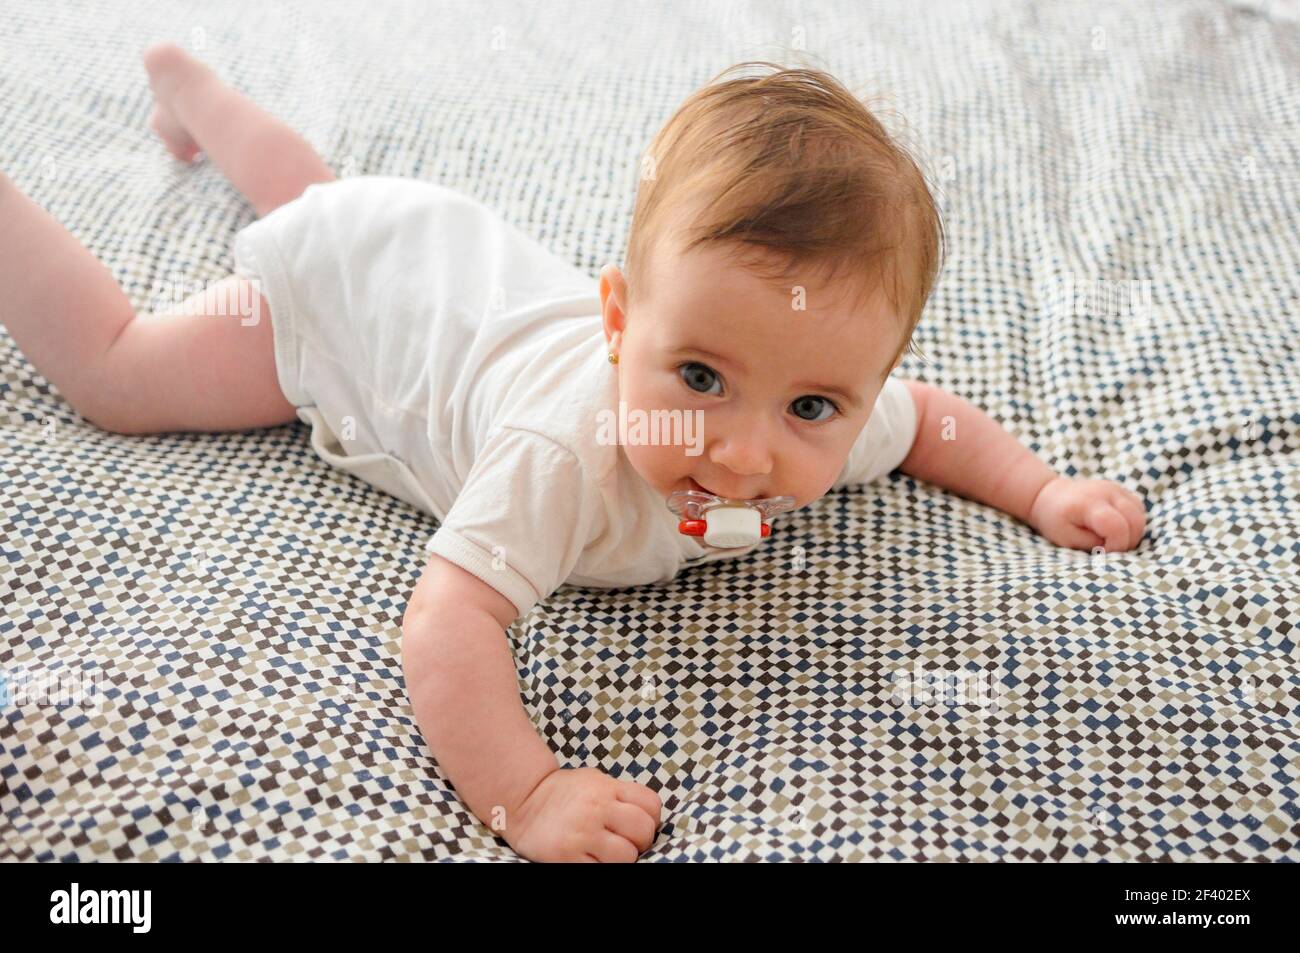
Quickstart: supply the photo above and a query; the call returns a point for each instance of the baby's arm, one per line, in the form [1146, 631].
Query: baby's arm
[461, 678]
[962, 449]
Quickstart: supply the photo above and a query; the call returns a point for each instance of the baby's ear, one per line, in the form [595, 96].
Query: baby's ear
[613, 292]
[612, 282]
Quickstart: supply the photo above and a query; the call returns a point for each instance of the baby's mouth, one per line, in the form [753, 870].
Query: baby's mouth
[700, 488]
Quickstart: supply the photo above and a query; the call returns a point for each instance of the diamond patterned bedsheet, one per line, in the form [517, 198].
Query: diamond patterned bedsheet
[199, 648]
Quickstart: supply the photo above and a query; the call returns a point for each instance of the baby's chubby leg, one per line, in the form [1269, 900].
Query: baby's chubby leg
[209, 366]
[195, 111]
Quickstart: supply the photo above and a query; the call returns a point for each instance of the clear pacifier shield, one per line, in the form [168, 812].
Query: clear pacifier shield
[692, 504]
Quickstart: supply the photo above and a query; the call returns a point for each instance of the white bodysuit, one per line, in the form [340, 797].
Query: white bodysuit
[443, 356]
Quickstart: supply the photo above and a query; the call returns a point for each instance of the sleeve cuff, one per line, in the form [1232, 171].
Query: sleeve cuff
[493, 570]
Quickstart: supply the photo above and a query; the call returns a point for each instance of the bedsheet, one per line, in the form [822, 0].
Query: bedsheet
[200, 636]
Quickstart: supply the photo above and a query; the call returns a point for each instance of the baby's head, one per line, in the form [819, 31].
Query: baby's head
[781, 251]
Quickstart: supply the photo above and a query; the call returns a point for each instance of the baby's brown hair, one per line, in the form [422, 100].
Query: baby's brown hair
[790, 166]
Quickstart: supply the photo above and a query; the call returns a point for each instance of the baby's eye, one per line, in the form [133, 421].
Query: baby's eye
[811, 407]
[700, 377]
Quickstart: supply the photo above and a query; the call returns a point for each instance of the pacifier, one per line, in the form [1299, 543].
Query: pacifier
[723, 522]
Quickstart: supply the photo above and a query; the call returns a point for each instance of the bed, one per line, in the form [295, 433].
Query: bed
[898, 674]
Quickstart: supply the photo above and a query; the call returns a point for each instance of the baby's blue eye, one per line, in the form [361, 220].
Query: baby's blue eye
[811, 407]
[705, 380]
[700, 377]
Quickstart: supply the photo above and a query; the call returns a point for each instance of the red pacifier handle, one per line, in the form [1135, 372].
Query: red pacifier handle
[697, 528]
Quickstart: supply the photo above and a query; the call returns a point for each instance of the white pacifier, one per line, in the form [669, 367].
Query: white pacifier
[726, 523]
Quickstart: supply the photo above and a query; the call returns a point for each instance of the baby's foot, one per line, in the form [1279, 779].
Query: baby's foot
[169, 68]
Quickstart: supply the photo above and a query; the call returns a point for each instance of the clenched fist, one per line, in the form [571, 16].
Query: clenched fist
[579, 815]
[1085, 514]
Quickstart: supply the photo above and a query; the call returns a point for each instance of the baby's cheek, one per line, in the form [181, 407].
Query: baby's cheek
[814, 477]
[658, 465]
[818, 480]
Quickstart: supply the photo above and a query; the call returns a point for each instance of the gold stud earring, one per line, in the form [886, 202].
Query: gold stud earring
[613, 357]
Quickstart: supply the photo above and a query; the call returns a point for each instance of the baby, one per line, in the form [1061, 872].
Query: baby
[781, 251]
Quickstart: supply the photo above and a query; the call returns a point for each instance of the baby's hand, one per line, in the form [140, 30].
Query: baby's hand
[1084, 514]
[584, 815]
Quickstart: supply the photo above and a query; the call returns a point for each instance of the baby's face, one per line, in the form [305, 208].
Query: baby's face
[782, 392]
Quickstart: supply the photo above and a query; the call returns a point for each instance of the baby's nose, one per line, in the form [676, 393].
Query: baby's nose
[745, 452]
